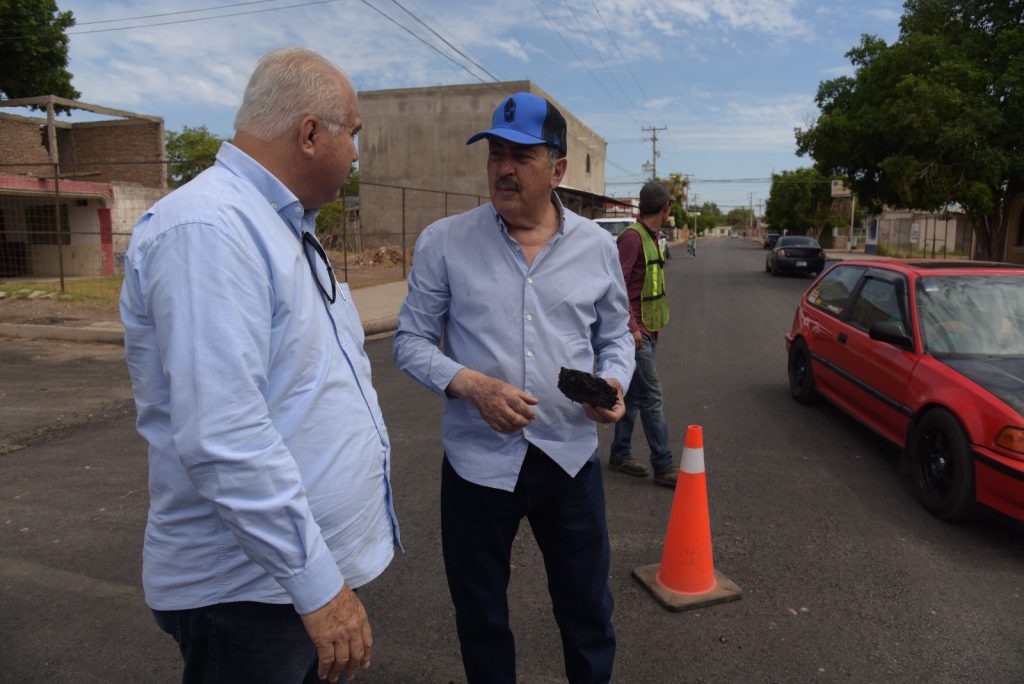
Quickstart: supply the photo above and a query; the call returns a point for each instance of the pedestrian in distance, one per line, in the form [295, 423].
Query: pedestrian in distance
[643, 270]
[269, 462]
[691, 244]
[519, 288]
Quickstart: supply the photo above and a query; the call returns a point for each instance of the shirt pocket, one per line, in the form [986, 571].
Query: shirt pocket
[579, 353]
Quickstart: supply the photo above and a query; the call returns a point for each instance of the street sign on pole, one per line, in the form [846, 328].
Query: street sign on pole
[839, 189]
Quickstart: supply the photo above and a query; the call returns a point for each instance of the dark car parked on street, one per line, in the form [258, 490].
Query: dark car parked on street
[795, 254]
[770, 239]
[930, 355]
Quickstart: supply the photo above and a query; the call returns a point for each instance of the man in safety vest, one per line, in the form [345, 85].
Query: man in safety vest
[643, 270]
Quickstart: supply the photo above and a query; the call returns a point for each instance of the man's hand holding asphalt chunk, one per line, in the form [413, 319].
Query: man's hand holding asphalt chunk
[504, 407]
[601, 398]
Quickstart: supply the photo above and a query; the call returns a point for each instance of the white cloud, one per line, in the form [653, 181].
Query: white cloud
[890, 16]
[842, 70]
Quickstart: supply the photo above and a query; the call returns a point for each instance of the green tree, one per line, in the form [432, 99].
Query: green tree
[935, 118]
[709, 216]
[189, 153]
[328, 221]
[800, 202]
[34, 50]
[739, 217]
[677, 186]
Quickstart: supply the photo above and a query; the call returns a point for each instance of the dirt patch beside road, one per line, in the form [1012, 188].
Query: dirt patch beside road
[56, 312]
[48, 387]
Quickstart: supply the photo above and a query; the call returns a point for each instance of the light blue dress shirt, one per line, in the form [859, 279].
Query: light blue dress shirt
[269, 462]
[471, 285]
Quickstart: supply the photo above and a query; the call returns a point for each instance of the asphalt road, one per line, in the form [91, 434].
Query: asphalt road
[844, 577]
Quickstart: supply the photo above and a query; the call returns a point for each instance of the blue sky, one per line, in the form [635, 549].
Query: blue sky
[728, 79]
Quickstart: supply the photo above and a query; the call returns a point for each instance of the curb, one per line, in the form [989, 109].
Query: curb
[380, 326]
[105, 335]
[115, 335]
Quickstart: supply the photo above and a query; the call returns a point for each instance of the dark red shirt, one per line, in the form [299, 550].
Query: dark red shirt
[634, 268]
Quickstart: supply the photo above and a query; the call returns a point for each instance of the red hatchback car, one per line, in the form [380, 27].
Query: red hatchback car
[931, 356]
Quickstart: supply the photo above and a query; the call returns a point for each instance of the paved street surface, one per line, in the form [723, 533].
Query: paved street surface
[844, 576]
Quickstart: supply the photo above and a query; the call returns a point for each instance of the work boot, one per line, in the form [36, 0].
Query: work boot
[667, 478]
[629, 467]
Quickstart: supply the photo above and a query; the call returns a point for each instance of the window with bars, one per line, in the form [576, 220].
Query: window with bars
[41, 225]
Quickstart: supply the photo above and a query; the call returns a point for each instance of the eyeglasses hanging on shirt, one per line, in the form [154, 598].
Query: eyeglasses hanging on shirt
[320, 266]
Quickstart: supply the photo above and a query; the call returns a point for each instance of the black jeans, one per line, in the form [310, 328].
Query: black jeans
[248, 642]
[566, 514]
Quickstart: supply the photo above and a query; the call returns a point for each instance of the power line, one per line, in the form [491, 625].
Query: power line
[629, 68]
[185, 21]
[143, 16]
[581, 60]
[432, 47]
[479, 66]
[447, 42]
[586, 34]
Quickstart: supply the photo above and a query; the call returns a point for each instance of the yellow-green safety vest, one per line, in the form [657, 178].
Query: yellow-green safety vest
[653, 300]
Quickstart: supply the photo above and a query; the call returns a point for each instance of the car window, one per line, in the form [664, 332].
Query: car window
[877, 302]
[833, 291]
[972, 315]
[615, 226]
[797, 241]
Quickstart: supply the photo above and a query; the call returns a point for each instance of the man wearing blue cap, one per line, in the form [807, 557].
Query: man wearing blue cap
[519, 288]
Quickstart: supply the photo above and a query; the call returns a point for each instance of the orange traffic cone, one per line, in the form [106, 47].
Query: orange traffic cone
[686, 577]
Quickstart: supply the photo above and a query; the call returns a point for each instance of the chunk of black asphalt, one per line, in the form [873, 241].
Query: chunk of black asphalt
[586, 388]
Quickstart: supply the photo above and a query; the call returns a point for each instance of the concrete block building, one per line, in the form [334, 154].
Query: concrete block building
[71, 192]
[415, 166]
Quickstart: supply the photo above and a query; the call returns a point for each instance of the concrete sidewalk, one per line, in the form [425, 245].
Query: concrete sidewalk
[378, 310]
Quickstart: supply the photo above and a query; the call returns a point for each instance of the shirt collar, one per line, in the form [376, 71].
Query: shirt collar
[500, 222]
[278, 196]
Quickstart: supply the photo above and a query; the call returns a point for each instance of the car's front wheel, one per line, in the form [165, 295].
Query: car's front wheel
[801, 377]
[940, 458]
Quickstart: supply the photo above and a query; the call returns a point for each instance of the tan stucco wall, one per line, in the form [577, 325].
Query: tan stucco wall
[416, 138]
[130, 203]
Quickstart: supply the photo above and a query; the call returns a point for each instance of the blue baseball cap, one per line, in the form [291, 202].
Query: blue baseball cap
[527, 119]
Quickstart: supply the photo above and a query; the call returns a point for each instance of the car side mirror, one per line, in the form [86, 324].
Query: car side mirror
[891, 333]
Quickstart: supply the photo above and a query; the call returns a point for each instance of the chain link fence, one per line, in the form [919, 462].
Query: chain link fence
[69, 237]
[924, 236]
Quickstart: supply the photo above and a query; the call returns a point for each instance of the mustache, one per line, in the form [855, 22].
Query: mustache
[507, 183]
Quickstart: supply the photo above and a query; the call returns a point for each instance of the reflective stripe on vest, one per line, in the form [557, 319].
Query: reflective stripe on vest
[653, 300]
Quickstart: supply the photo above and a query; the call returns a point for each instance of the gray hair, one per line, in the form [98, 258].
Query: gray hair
[288, 84]
[553, 156]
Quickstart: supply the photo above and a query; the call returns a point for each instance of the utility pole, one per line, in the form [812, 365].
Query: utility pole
[653, 166]
[750, 217]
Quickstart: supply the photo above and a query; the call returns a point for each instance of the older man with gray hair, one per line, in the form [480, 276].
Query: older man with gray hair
[266, 510]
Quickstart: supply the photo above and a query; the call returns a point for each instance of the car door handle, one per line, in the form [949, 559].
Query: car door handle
[842, 338]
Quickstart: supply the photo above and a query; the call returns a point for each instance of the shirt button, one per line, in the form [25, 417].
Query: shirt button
[298, 210]
[529, 280]
[274, 205]
[526, 432]
[529, 354]
[529, 317]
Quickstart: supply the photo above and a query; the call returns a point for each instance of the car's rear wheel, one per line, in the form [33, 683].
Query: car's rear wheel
[801, 377]
[940, 459]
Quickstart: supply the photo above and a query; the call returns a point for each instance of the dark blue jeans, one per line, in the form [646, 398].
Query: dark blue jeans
[244, 642]
[567, 517]
[644, 397]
